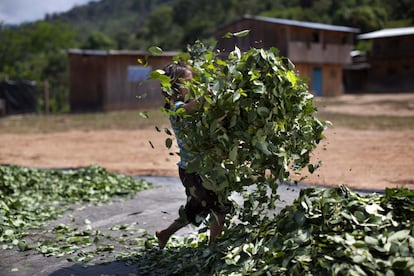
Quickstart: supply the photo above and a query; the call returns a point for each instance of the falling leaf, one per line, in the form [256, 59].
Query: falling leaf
[155, 50]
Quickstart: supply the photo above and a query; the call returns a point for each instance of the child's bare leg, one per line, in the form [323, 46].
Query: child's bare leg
[165, 234]
[216, 227]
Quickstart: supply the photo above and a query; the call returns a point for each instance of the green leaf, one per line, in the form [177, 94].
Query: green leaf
[236, 96]
[227, 35]
[371, 240]
[233, 153]
[9, 232]
[22, 245]
[373, 208]
[291, 77]
[144, 114]
[262, 111]
[241, 33]
[159, 75]
[168, 142]
[155, 50]
[236, 34]
[399, 235]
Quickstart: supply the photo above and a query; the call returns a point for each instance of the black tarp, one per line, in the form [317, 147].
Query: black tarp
[19, 96]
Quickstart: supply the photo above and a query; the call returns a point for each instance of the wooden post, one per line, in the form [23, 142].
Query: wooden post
[46, 84]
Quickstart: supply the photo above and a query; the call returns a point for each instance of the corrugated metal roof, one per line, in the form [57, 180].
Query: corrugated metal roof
[387, 33]
[118, 52]
[304, 24]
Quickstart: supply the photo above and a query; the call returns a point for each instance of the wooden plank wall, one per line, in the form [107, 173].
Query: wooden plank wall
[87, 82]
[99, 82]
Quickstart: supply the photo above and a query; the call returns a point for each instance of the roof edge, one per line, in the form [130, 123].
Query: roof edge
[304, 24]
[93, 52]
[391, 32]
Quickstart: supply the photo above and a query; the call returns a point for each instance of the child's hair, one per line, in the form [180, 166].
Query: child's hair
[176, 71]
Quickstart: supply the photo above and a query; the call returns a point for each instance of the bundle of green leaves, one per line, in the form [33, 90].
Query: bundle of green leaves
[333, 231]
[257, 124]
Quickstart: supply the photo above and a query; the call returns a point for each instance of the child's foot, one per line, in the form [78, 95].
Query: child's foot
[162, 239]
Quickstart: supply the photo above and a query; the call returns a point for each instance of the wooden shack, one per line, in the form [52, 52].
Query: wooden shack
[390, 60]
[114, 80]
[319, 51]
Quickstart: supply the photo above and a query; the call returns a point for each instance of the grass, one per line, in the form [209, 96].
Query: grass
[364, 121]
[360, 122]
[131, 120]
[122, 120]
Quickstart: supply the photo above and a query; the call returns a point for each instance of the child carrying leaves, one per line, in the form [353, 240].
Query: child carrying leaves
[201, 202]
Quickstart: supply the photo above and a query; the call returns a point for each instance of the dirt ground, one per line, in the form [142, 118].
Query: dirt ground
[360, 159]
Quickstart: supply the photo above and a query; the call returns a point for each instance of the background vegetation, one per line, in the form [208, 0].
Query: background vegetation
[36, 50]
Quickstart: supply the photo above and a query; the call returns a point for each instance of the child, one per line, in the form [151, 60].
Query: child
[200, 201]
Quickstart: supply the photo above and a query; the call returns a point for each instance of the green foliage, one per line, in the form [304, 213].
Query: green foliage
[324, 232]
[107, 16]
[200, 23]
[99, 41]
[366, 18]
[31, 197]
[366, 15]
[293, 13]
[401, 10]
[333, 231]
[80, 242]
[257, 122]
[174, 24]
[161, 30]
[27, 51]
[37, 52]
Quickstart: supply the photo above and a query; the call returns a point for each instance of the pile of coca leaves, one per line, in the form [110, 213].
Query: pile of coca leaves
[333, 231]
[257, 125]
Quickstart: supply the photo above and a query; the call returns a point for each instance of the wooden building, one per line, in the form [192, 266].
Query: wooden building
[390, 62]
[319, 51]
[114, 80]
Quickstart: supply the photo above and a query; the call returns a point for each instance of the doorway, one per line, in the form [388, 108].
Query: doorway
[317, 81]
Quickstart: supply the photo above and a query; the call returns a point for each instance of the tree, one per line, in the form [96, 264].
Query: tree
[122, 39]
[366, 18]
[37, 52]
[161, 30]
[400, 11]
[12, 49]
[99, 41]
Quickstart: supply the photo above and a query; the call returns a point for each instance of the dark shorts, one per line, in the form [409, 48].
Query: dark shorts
[200, 201]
